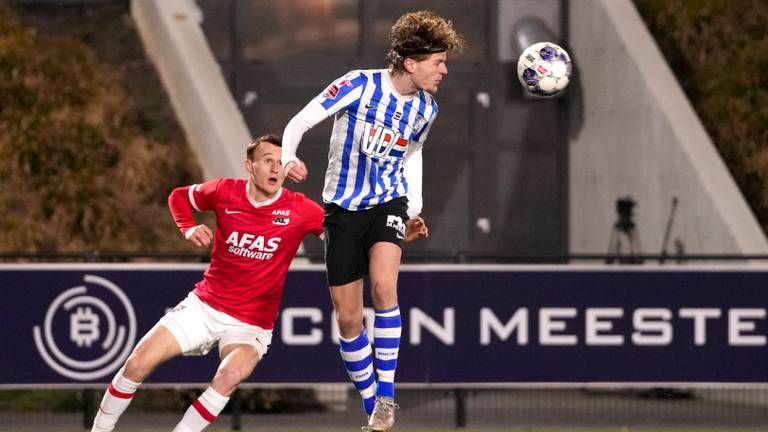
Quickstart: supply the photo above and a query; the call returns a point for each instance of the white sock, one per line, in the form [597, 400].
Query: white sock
[202, 412]
[116, 399]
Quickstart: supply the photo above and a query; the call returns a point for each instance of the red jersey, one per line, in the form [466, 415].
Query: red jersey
[253, 245]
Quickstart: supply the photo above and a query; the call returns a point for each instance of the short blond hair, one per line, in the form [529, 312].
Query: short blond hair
[416, 35]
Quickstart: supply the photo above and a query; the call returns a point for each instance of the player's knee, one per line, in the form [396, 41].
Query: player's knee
[384, 295]
[137, 367]
[350, 321]
[227, 379]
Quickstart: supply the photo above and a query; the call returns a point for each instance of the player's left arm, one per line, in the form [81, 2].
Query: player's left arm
[413, 171]
[416, 228]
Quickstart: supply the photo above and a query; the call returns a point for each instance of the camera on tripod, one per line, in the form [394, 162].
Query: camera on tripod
[624, 207]
[624, 231]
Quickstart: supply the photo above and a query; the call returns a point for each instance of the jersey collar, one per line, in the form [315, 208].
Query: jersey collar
[388, 82]
[258, 204]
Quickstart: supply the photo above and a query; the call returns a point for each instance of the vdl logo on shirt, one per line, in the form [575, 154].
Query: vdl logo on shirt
[382, 142]
[252, 246]
[396, 222]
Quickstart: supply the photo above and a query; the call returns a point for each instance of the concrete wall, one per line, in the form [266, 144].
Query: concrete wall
[633, 132]
[212, 122]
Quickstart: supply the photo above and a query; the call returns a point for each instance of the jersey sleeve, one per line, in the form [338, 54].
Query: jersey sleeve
[313, 216]
[181, 210]
[183, 200]
[413, 172]
[342, 92]
[413, 167]
[312, 114]
[421, 136]
[203, 196]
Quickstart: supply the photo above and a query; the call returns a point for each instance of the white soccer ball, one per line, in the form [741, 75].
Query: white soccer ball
[544, 69]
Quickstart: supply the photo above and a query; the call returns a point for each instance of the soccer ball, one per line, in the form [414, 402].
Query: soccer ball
[544, 69]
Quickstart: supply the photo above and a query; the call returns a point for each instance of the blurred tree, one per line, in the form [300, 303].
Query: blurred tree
[83, 165]
[719, 51]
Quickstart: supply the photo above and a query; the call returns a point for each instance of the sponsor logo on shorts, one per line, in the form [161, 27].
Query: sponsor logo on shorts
[397, 223]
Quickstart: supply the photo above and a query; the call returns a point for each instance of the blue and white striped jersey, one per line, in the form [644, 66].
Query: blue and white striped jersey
[375, 129]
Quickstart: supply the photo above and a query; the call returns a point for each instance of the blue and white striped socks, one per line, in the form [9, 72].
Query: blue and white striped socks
[358, 360]
[387, 328]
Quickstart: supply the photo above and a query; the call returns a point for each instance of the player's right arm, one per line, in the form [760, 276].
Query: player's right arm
[183, 200]
[340, 94]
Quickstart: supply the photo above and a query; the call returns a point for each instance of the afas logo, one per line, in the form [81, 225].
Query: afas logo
[282, 217]
[252, 246]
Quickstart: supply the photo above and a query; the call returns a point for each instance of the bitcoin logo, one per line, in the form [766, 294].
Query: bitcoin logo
[84, 327]
[87, 328]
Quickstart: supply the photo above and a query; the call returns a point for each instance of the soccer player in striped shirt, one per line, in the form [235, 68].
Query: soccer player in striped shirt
[372, 191]
[259, 227]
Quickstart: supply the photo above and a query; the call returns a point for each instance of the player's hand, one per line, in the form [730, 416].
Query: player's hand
[200, 235]
[415, 228]
[296, 171]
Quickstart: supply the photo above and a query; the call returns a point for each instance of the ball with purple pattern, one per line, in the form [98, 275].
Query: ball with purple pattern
[544, 69]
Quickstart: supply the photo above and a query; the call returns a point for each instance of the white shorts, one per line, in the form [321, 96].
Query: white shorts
[198, 327]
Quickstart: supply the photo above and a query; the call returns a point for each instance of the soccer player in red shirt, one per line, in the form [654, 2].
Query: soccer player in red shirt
[259, 227]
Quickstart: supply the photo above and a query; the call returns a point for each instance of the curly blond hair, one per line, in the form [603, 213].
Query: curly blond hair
[416, 35]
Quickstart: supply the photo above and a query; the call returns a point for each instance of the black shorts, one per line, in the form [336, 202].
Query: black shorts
[349, 236]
